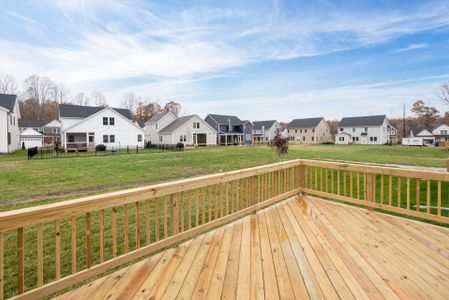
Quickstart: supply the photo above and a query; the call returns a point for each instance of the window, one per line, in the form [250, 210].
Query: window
[312, 138]
[443, 131]
[105, 139]
[366, 129]
[111, 121]
[71, 138]
[139, 137]
[160, 138]
[375, 138]
[353, 129]
[313, 130]
[105, 120]
[112, 138]
[305, 130]
[296, 130]
[341, 128]
[304, 138]
[341, 138]
[196, 125]
[9, 138]
[182, 138]
[300, 130]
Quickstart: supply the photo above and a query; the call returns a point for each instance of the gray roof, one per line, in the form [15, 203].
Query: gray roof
[417, 130]
[305, 123]
[362, 121]
[78, 111]
[8, 101]
[223, 119]
[157, 117]
[32, 123]
[176, 124]
[266, 124]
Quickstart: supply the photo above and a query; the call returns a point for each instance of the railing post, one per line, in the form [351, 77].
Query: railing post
[302, 178]
[370, 189]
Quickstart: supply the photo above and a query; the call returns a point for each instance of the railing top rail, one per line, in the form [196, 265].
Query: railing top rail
[26, 217]
[443, 176]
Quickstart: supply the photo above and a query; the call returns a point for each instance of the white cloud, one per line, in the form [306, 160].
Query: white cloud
[411, 47]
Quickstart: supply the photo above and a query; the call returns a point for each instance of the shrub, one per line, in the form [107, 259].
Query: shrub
[280, 144]
[100, 148]
[180, 145]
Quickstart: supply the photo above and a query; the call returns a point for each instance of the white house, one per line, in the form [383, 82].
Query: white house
[9, 123]
[366, 130]
[166, 129]
[423, 133]
[84, 127]
[265, 131]
[31, 138]
[441, 133]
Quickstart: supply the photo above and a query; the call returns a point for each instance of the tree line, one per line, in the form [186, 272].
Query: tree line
[39, 97]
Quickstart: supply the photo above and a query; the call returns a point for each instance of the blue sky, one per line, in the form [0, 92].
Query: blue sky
[256, 59]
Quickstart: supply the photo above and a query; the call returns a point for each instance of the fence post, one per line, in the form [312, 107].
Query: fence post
[137, 149]
[447, 165]
[370, 189]
[127, 149]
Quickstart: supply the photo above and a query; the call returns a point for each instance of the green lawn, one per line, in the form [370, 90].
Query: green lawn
[25, 183]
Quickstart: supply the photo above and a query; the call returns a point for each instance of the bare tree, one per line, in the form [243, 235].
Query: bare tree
[147, 109]
[426, 114]
[60, 93]
[39, 89]
[444, 93]
[99, 99]
[129, 101]
[81, 99]
[173, 107]
[8, 85]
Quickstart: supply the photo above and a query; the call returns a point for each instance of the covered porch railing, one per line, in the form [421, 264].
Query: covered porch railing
[51, 247]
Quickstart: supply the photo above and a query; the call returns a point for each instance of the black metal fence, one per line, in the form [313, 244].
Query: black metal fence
[47, 153]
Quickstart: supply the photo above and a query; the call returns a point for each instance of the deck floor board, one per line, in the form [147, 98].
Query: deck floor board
[301, 248]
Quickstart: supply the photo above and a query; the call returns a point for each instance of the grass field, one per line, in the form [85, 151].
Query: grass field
[26, 183]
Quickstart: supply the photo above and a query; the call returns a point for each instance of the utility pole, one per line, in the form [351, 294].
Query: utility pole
[403, 123]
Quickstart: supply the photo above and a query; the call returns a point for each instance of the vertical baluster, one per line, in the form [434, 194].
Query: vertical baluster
[101, 235]
[216, 210]
[125, 227]
[88, 253]
[147, 223]
[2, 251]
[247, 192]
[390, 190]
[358, 185]
[203, 213]
[399, 192]
[181, 211]
[114, 232]
[197, 209]
[137, 225]
[408, 192]
[210, 203]
[40, 255]
[315, 185]
[338, 181]
[351, 189]
[321, 179]
[428, 196]
[374, 188]
[306, 181]
[73, 244]
[333, 181]
[439, 198]
[165, 218]
[285, 181]
[364, 186]
[344, 183]
[326, 174]
[57, 249]
[382, 189]
[20, 258]
[174, 214]
[189, 210]
[156, 219]
[231, 195]
[418, 191]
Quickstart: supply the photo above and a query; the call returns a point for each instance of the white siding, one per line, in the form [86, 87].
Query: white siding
[188, 130]
[151, 129]
[32, 141]
[378, 133]
[124, 130]
[9, 122]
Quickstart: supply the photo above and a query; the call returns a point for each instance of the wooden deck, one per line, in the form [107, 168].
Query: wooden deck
[307, 248]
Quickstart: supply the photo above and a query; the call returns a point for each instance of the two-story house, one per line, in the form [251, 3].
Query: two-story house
[51, 130]
[309, 131]
[441, 133]
[167, 129]
[366, 130]
[265, 131]
[84, 127]
[230, 129]
[9, 123]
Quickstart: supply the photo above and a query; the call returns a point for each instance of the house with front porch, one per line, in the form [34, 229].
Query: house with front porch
[366, 130]
[167, 129]
[85, 127]
[441, 133]
[230, 129]
[9, 123]
[265, 131]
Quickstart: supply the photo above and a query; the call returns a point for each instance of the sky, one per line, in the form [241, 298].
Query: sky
[254, 59]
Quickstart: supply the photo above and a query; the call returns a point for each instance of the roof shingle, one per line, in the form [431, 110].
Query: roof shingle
[305, 123]
[257, 125]
[224, 119]
[362, 121]
[78, 111]
[8, 101]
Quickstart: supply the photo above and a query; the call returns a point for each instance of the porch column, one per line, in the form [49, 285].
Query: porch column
[226, 139]
[87, 140]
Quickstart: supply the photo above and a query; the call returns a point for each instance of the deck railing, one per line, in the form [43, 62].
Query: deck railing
[51, 247]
